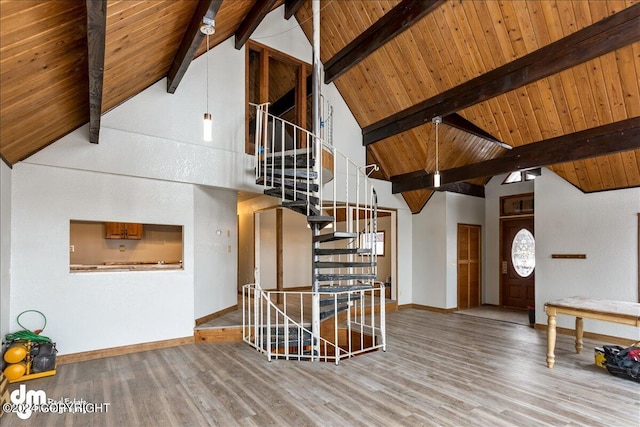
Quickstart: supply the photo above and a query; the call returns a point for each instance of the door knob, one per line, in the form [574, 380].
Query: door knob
[504, 267]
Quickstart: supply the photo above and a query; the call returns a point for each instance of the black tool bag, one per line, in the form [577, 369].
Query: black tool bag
[623, 361]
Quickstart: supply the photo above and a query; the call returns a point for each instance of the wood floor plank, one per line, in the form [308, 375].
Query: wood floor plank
[439, 369]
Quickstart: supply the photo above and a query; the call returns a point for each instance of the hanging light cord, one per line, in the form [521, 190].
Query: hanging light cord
[207, 60]
[437, 166]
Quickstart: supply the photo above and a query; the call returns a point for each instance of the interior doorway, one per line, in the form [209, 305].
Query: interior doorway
[469, 255]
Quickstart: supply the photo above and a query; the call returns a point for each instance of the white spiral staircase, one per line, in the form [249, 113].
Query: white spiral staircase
[344, 312]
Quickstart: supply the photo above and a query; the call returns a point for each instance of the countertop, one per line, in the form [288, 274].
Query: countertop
[117, 266]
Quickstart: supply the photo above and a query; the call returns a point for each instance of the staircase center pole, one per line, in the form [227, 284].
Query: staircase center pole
[317, 154]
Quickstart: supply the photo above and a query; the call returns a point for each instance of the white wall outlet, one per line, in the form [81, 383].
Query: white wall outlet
[72, 248]
[122, 248]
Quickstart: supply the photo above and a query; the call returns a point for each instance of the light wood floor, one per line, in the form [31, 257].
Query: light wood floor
[439, 369]
[502, 314]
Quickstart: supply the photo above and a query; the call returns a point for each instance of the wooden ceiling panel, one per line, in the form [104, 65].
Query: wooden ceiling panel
[32, 61]
[417, 199]
[400, 155]
[20, 141]
[631, 162]
[141, 40]
[46, 68]
[343, 21]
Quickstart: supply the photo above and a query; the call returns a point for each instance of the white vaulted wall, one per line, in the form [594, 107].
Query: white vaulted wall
[87, 311]
[461, 209]
[215, 250]
[5, 247]
[435, 247]
[429, 253]
[604, 227]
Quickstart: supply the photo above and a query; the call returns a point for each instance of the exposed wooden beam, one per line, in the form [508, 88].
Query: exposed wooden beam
[96, 33]
[190, 42]
[457, 121]
[604, 36]
[398, 19]
[291, 7]
[252, 20]
[602, 140]
[464, 188]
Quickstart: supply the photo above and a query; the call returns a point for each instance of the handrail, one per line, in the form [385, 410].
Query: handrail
[273, 141]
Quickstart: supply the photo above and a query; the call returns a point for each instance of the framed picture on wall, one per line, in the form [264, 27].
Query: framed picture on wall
[373, 240]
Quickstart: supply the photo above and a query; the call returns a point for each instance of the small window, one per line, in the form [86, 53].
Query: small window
[519, 204]
[523, 253]
[519, 176]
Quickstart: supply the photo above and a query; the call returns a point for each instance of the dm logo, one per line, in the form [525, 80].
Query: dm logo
[26, 401]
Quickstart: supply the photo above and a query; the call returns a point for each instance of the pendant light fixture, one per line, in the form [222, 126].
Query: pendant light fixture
[436, 176]
[207, 29]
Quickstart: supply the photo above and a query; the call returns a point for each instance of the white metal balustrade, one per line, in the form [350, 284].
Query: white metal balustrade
[282, 331]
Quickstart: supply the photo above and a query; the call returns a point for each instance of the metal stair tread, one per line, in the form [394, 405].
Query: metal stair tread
[321, 220]
[329, 313]
[343, 264]
[288, 183]
[342, 251]
[291, 173]
[290, 194]
[338, 301]
[335, 289]
[300, 206]
[329, 277]
[336, 235]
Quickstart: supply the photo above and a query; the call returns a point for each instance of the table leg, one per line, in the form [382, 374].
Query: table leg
[551, 339]
[579, 331]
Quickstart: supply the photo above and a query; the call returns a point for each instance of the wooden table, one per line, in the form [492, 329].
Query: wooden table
[626, 313]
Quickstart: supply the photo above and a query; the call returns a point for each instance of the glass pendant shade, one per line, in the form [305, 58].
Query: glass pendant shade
[208, 127]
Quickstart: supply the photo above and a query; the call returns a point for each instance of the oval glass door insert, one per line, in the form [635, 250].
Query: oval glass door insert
[523, 253]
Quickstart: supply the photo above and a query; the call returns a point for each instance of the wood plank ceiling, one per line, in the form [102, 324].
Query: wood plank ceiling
[45, 81]
[462, 40]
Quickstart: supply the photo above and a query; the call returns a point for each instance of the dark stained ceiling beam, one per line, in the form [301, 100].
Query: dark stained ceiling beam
[464, 188]
[252, 20]
[291, 7]
[457, 121]
[191, 41]
[96, 34]
[602, 140]
[607, 35]
[398, 19]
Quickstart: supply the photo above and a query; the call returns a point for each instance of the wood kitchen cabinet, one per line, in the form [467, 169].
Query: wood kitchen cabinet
[123, 230]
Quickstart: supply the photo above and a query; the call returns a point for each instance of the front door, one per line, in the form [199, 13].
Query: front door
[518, 263]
